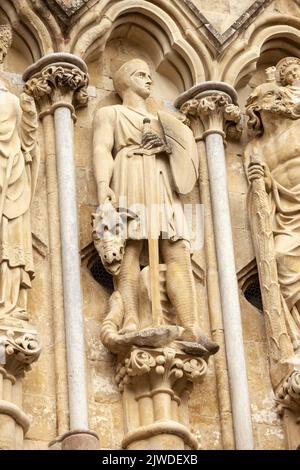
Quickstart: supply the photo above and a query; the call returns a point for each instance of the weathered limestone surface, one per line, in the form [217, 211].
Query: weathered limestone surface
[178, 61]
[222, 14]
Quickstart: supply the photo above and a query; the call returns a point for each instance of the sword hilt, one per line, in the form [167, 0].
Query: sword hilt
[146, 125]
[147, 129]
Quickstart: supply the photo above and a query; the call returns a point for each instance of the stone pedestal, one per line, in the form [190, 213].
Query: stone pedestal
[156, 384]
[19, 348]
[288, 407]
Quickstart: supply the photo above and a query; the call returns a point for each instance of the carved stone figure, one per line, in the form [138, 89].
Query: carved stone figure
[143, 163]
[274, 155]
[19, 159]
[109, 237]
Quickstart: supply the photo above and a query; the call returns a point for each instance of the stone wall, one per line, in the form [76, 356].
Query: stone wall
[169, 66]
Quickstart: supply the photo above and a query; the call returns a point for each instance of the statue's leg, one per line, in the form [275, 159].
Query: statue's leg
[10, 280]
[287, 249]
[127, 283]
[182, 291]
[180, 283]
[21, 310]
[4, 282]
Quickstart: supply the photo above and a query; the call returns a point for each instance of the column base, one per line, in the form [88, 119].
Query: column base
[76, 440]
[163, 435]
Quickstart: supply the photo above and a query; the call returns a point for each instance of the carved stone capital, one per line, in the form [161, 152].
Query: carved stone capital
[215, 104]
[168, 364]
[58, 80]
[156, 384]
[18, 350]
[288, 394]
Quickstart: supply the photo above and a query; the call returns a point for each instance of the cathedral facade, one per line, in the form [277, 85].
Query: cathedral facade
[149, 208]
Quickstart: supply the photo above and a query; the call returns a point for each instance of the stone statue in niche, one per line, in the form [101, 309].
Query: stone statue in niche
[273, 157]
[19, 160]
[143, 164]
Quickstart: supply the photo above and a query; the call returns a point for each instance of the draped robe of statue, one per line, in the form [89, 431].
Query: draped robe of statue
[129, 179]
[18, 172]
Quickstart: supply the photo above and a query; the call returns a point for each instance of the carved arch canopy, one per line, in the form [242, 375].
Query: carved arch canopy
[187, 42]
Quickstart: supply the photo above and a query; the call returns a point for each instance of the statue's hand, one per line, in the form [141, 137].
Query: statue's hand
[27, 104]
[105, 194]
[258, 169]
[151, 140]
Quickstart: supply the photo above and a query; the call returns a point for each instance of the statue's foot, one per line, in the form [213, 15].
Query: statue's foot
[195, 335]
[156, 337]
[129, 327]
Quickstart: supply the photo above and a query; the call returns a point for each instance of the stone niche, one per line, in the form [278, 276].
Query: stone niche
[267, 426]
[38, 396]
[170, 77]
[136, 36]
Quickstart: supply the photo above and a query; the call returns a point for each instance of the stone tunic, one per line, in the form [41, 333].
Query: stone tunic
[129, 181]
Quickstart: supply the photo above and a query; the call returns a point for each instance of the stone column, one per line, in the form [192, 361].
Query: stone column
[213, 294]
[214, 103]
[60, 80]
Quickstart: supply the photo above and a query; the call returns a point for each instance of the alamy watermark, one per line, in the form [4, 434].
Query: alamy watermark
[165, 221]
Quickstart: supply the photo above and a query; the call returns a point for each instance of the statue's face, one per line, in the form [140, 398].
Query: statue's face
[265, 97]
[292, 73]
[140, 81]
[269, 96]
